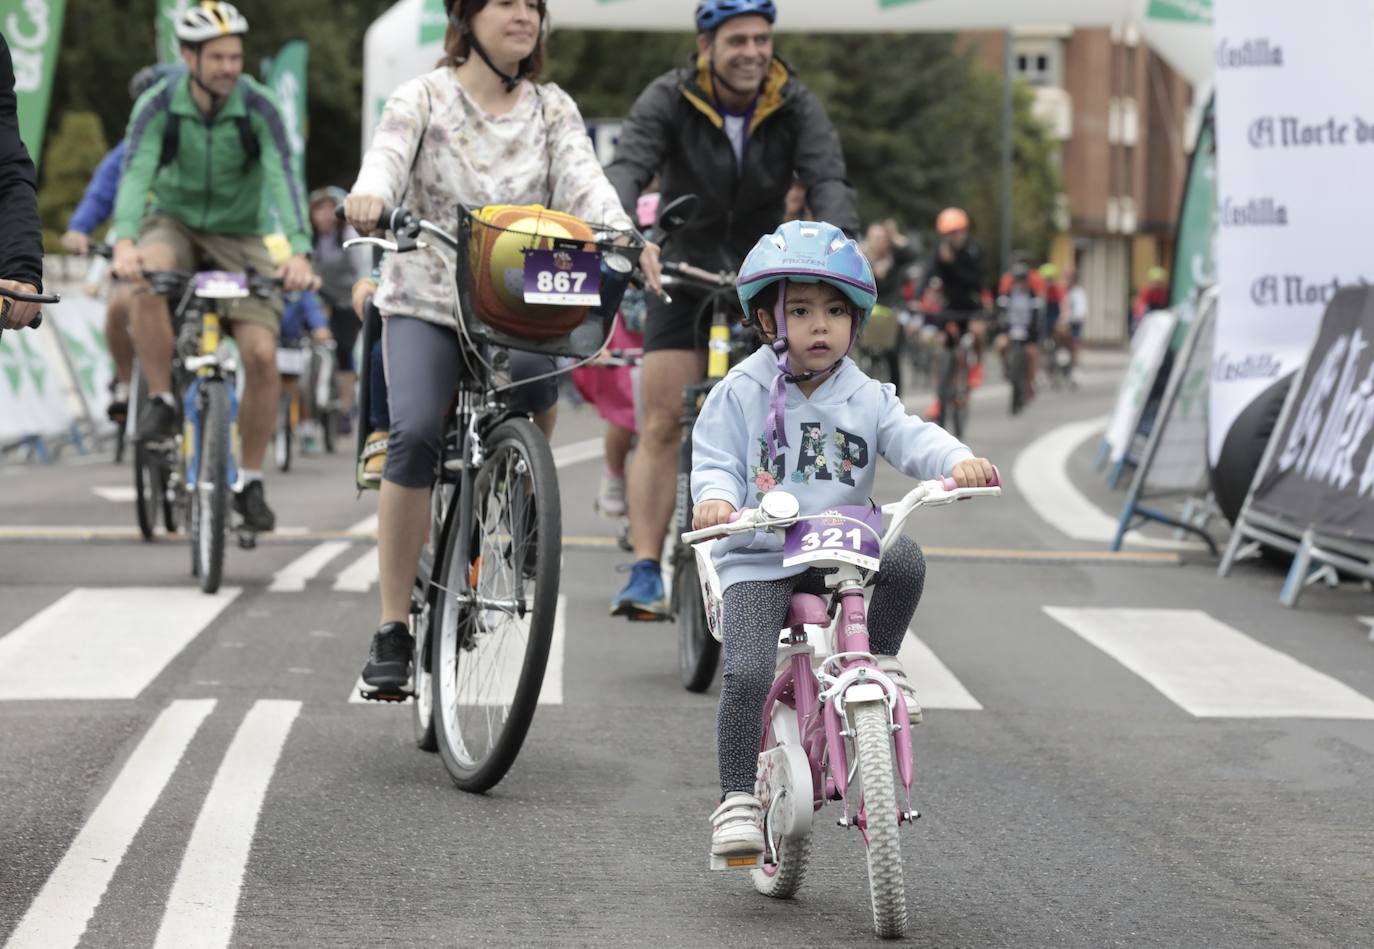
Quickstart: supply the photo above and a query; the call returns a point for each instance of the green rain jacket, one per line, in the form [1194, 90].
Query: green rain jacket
[212, 183]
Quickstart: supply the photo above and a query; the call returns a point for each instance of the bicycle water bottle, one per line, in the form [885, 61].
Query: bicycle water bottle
[718, 348]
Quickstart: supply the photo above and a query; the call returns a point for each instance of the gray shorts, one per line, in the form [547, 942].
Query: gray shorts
[424, 364]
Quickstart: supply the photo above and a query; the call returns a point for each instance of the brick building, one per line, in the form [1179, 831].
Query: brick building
[1120, 113]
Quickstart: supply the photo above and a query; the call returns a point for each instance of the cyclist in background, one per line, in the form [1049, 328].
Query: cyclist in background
[1023, 318]
[736, 128]
[97, 204]
[339, 270]
[958, 263]
[206, 145]
[891, 254]
[21, 238]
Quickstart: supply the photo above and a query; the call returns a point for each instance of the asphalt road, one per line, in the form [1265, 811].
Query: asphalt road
[1117, 752]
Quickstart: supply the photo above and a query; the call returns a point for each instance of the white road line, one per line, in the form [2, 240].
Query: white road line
[936, 686]
[117, 494]
[577, 452]
[103, 643]
[551, 693]
[358, 576]
[366, 527]
[1212, 670]
[294, 576]
[205, 895]
[59, 915]
[1040, 475]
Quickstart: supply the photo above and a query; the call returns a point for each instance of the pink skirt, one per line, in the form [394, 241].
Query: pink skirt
[612, 388]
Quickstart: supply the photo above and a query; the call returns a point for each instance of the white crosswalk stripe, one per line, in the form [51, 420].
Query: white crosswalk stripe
[360, 575]
[294, 576]
[104, 643]
[935, 685]
[1212, 670]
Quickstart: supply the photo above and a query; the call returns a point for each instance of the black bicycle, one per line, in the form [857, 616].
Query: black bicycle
[486, 591]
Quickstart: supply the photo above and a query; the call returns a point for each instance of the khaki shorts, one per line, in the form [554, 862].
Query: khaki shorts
[233, 252]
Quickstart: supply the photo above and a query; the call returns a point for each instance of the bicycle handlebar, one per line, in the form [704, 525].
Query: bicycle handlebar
[12, 295]
[928, 493]
[706, 278]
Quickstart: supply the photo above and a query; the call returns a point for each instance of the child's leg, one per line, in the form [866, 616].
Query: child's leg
[901, 577]
[618, 442]
[754, 613]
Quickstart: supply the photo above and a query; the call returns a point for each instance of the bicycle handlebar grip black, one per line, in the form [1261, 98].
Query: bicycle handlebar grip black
[390, 219]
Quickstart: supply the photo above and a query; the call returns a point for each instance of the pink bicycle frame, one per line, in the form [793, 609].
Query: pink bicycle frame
[819, 724]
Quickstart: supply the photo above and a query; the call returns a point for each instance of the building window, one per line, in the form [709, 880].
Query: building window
[1038, 62]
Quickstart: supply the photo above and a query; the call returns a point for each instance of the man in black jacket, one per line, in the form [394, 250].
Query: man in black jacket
[21, 238]
[734, 128]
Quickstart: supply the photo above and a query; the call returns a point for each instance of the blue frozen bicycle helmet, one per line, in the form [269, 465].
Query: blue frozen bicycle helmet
[712, 13]
[806, 252]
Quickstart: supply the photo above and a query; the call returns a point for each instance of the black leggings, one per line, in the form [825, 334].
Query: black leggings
[754, 613]
[424, 364]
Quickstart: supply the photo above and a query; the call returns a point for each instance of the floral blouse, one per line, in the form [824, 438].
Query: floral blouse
[435, 149]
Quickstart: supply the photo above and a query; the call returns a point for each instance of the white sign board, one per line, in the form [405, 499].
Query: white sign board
[1295, 139]
[1148, 349]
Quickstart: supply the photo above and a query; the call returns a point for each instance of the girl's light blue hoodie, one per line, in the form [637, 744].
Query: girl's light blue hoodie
[834, 439]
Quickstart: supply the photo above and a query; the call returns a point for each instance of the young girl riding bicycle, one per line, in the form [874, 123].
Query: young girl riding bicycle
[800, 416]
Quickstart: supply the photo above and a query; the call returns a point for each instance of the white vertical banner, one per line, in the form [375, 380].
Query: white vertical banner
[1295, 142]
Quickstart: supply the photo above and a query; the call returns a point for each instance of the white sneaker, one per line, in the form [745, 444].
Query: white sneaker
[892, 666]
[737, 826]
[610, 500]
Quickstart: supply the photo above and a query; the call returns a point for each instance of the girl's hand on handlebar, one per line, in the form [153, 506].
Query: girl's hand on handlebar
[711, 513]
[363, 212]
[973, 473]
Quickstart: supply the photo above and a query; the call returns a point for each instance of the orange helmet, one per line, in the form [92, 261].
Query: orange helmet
[951, 220]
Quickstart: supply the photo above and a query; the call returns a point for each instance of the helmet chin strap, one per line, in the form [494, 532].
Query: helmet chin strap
[507, 80]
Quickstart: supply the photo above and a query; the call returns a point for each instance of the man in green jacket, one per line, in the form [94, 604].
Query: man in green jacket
[200, 150]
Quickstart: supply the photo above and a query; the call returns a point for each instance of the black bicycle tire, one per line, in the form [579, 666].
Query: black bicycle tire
[145, 492]
[1016, 368]
[530, 442]
[282, 434]
[698, 650]
[214, 461]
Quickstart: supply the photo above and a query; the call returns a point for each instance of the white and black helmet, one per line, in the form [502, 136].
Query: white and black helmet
[210, 20]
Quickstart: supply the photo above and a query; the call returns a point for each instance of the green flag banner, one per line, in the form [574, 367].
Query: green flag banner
[32, 29]
[168, 12]
[285, 74]
[433, 21]
[1194, 266]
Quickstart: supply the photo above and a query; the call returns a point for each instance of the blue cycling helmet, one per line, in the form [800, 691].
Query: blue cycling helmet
[807, 252]
[712, 13]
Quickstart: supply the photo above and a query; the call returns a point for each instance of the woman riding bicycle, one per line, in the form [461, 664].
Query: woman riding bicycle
[478, 130]
[799, 415]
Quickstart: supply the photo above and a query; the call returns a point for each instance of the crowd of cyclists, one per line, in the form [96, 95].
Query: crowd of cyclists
[734, 126]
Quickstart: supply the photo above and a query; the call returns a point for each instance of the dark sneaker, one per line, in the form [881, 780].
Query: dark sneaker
[387, 673]
[251, 505]
[643, 595]
[156, 423]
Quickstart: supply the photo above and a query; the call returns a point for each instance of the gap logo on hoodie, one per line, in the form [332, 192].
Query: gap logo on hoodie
[825, 454]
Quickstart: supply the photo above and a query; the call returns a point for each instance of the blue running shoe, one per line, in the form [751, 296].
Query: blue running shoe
[642, 597]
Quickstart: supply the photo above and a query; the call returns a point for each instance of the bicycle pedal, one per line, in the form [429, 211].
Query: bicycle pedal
[738, 861]
[646, 617]
[248, 540]
[378, 695]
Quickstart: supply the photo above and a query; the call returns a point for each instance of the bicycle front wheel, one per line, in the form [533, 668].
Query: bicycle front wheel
[282, 437]
[873, 745]
[497, 608]
[698, 652]
[211, 499]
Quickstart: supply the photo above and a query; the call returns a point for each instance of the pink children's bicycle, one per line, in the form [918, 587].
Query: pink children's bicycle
[834, 723]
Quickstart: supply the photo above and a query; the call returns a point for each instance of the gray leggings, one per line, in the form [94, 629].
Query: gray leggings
[424, 364]
[754, 613]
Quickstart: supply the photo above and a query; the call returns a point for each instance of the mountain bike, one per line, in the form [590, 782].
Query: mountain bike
[486, 588]
[835, 726]
[192, 473]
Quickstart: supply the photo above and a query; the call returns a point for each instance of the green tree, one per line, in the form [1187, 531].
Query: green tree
[68, 158]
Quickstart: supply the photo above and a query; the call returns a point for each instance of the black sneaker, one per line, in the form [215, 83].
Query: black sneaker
[157, 422]
[250, 505]
[387, 673]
